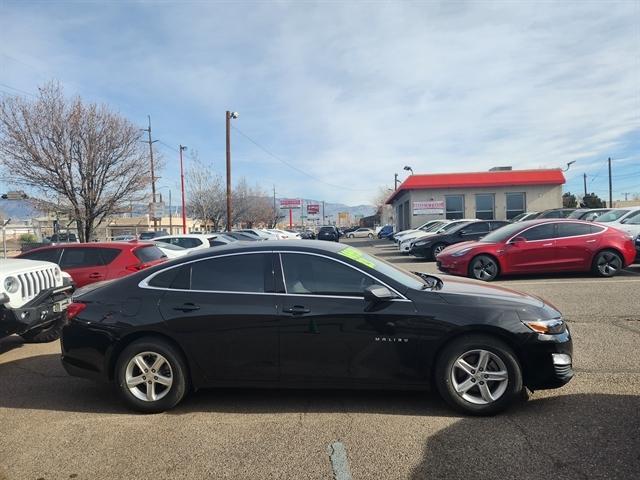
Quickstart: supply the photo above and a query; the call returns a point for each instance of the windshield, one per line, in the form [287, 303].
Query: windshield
[612, 216]
[503, 233]
[433, 227]
[407, 279]
[168, 246]
[450, 226]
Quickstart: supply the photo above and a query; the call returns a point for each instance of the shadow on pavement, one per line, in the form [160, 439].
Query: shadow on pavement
[567, 437]
[12, 342]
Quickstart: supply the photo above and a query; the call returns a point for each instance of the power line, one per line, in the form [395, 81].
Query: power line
[271, 154]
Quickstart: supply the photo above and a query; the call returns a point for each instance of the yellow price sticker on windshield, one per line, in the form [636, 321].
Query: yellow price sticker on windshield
[357, 255]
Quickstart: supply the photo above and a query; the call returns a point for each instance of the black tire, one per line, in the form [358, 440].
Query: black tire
[45, 334]
[607, 263]
[446, 375]
[178, 374]
[484, 267]
[351, 236]
[370, 236]
[436, 249]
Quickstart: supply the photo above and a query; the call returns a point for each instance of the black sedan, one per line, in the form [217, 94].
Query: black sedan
[429, 247]
[312, 315]
[329, 233]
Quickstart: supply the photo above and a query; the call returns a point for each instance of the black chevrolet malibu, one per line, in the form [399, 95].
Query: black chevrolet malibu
[312, 315]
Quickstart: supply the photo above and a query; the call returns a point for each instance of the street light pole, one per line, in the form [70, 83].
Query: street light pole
[184, 210]
[229, 116]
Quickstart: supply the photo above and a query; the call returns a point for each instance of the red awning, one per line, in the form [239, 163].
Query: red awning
[501, 178]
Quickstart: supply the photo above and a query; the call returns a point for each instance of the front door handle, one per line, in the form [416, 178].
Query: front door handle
[590, 241]
[95, 275]
[547, 244]
[296, 310]
[390, 327]
[187, 307]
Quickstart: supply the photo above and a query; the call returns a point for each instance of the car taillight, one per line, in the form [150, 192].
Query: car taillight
[74, 309]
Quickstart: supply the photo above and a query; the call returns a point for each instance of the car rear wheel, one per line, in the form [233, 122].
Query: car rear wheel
[484, 268]
[436, 249]
[607, 263]
[370, 235]
[151, 375]
[478, 375]
[351, 236]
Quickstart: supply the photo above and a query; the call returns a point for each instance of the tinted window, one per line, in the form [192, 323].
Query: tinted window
[235, 273]
[109, 254]
[552, 214]
[50, 255]
[612, 215]
[596, 229]
[484, 206]
[327, 230]
[173, 278]
[573, 229]
[216, 243]
[515, 204]
[475, 228]
[541, 232]
[496, 225]
[310, 274]
[633, 219]
[148, 254]
[81, 257]
[503, 234]
[455, 206]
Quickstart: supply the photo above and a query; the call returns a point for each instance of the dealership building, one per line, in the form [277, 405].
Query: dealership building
[500, 194]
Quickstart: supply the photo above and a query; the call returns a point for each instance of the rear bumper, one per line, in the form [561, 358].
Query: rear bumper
[47, 307]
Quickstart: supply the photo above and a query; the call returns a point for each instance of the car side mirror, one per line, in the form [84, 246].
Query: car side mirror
[517, 240]
[378, 293]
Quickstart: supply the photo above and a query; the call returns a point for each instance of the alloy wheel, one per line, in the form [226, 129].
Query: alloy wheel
[609, 263]
[149, 376]
[437, 249]
[484, 269]
[479, 376]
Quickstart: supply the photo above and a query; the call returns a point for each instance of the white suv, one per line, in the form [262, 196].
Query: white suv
[33, 298]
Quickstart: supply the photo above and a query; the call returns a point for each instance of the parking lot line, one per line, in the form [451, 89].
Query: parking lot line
[339, 461]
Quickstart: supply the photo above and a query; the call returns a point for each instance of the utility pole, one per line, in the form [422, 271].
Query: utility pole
[323, 212]
[626, 196]
[153, 175]
[275, 212]
[229, 115]
[184, 209]
[395, 181]
[584, 177]
[610, 187]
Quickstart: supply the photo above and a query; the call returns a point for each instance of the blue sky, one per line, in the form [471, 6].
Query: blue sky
[350, 92]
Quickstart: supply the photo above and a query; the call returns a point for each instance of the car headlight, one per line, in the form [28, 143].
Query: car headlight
[11, 284]
[422, 243]
[462, 252]
[549, 327]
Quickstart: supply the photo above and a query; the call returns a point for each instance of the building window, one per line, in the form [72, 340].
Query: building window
[455, 206]
[515, 204]
[485, 206]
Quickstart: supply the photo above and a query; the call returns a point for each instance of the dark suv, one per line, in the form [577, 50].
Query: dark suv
[329, 233]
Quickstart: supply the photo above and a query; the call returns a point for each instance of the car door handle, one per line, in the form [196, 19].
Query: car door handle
[187, 307]
[296, 310]
[590, 241]
[95, 275]
[547, 244]
[390, 327]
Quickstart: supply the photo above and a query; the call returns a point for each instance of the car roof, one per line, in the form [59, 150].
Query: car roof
[120, 245]
[289, 245]
[189, 235]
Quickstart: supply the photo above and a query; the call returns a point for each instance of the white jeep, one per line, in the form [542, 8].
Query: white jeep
[33, 298]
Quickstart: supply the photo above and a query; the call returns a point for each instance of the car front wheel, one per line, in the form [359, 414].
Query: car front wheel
[484, 268]
[151, 375]
[478, 375]
[370, 235]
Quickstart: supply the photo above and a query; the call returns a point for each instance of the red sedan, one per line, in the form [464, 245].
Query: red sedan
[541, 246]
[97, 261]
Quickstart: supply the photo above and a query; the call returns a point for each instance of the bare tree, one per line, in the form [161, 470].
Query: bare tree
[206, 194]
[82, 153]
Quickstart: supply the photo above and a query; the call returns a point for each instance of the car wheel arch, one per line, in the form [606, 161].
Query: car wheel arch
[480, 330]
[128, 339]
[607, 249]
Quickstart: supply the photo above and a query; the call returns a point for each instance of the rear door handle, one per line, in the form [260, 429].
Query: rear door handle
[547, 244]
[187, 307]
[590, 241]
[296, 310]
[95, 275]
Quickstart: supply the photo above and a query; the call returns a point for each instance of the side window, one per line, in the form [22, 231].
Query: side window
[541, 232]
[485, 203]
[49, 255]
[234, 273]
[310, 274]
[475, 228]
[573, 229]
[109, 254]
[216, 243]
[497, 225]
[633, 219]
[516, 204]
[177, 278]
[596, 229]
[188, 242]
[81, 257]
[454, 207]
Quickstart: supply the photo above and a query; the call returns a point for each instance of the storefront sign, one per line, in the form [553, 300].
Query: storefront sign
[432, 207]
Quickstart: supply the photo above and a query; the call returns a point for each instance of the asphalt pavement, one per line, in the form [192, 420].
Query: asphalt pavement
[53, 426]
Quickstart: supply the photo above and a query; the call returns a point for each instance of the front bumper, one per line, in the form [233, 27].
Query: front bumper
[44, 309]
[453, 266]
[548, 361]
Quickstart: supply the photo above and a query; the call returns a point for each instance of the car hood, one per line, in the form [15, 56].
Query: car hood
[454, 288]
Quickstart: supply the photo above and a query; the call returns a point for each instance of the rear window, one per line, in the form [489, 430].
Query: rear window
[81, 257]
[49, 255]
[327, 230]
[148, 254]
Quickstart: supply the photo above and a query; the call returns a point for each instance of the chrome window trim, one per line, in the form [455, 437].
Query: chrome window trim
[280, 252]
[144, 283]
[581, 222]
